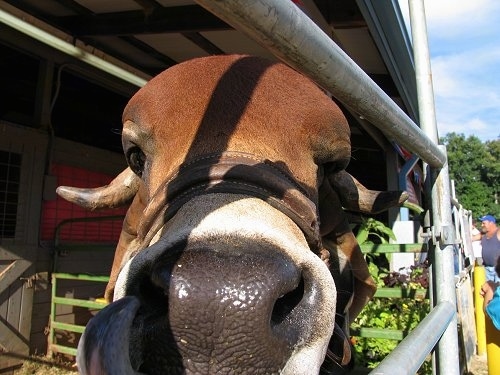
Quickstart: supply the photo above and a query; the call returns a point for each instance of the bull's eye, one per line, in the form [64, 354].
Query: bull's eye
[136, 160]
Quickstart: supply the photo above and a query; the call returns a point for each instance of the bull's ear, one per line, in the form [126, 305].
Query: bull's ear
[355, 197]
[118, 193]
[337, 236]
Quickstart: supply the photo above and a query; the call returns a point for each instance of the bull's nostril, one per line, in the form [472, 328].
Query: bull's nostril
[152, 284]
[153, 296]
[286, 303]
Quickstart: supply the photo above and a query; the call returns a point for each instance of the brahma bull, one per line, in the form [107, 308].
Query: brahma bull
[229, 261]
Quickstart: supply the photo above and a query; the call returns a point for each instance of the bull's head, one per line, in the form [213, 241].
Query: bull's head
[226, 257]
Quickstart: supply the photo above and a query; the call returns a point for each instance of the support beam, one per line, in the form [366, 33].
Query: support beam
[443, 273]
[37, 29]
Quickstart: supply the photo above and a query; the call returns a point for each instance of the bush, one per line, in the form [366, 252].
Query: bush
[391, 313]
[388, 313]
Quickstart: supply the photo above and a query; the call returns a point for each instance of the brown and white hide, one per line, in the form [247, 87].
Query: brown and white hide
[226, 257]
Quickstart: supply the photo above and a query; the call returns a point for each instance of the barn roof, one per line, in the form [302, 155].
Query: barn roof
[144, 37]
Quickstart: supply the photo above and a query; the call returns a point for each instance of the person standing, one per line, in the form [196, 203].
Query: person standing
[476, 245]
[490, 243]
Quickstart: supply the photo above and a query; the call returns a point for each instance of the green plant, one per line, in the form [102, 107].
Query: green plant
[370, 228]
[388, 313]
[372, 231]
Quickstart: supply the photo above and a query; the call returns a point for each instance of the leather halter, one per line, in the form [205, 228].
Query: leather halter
[236, 173]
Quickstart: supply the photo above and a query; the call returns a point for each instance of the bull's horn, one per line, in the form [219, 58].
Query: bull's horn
[355, 197]
[119, 192]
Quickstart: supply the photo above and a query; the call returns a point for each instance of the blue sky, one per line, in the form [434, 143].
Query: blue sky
[464, 43]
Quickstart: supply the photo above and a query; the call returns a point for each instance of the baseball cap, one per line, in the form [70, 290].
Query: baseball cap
[488, 218]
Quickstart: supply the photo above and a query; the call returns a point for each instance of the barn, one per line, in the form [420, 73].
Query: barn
[69, 68]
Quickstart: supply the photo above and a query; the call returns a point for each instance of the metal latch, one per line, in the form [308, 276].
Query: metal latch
[30, 281]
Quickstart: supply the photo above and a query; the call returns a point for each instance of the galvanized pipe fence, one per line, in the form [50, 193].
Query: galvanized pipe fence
[293, 37]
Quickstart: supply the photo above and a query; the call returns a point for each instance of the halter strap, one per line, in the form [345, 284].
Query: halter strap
[236, 173]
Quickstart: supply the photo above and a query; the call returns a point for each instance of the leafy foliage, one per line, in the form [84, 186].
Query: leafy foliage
[475, 168]
[388, 313]
[370, 228]
[373, 231]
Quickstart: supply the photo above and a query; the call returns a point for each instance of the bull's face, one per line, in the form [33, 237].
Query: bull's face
[230, 287]
[219, 269]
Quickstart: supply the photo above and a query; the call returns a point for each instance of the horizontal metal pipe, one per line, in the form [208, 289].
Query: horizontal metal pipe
[287, 32]
[412, 351]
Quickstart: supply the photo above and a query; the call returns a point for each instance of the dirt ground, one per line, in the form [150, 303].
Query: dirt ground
[43, 366]
[479, 365]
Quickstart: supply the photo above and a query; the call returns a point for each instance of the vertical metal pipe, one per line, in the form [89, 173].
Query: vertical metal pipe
[423, 72]
[51, 341]
[443, 268]
[447, 353]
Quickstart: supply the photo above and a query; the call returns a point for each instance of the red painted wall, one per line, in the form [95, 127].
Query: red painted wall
[55, 211]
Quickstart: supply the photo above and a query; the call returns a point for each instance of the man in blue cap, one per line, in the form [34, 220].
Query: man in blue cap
[490, 242]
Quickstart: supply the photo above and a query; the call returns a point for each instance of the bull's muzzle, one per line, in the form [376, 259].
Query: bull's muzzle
[215, 304]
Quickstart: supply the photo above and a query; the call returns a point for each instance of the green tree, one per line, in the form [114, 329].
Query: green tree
[475, 168]
[493, 148]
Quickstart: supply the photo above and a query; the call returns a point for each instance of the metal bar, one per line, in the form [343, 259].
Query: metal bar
[292, 36]
[393, 248]
[52, 317]
[398, 292]
[412, 351]
[69, 327]
[60, 226]
[72, 276]
[63, 349]
[443, 272]
[85, 247]
[379, 333]
[79, 302]
[405, 171]
[52, 346]
[423, 73]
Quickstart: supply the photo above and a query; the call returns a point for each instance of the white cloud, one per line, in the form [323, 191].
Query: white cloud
[474, 127]
[467, 73]
[465, 58]
[467, 92]
[445, 14]
[449, 18]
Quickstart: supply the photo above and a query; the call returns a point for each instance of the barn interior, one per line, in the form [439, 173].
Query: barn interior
[60, 121]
